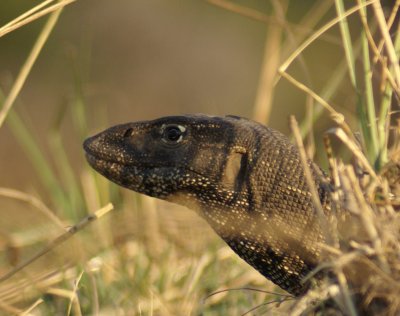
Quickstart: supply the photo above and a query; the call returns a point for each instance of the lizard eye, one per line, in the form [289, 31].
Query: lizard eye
[173, 134]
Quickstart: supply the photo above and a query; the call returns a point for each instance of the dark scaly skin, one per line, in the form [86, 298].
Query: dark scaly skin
[246, 180]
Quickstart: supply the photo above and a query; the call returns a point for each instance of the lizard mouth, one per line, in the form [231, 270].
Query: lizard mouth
[101, 165]
[95, 155]
[93, 159]
[128, 176]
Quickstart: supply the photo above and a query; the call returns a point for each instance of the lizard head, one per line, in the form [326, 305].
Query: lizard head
[171, 157]
[243, 178]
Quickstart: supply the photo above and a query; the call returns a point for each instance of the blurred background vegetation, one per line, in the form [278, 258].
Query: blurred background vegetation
[110, 62]
[140, 60]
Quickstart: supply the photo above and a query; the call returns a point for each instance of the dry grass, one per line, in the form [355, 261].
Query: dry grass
[136, 262]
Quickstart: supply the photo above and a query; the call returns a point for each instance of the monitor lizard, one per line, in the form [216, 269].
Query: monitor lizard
[245, 179]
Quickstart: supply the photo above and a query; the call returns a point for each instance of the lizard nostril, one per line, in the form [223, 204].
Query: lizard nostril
[128, 133]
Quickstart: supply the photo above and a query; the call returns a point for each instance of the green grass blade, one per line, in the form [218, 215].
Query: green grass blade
[368, 122]
[371, 135]
[384, 118]
[346, 38]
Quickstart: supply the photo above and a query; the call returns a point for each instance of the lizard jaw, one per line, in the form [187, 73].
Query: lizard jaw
[128, 176]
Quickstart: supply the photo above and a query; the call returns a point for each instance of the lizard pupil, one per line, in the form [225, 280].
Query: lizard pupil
[173, 133]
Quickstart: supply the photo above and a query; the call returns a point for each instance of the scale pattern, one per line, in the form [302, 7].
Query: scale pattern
[246, 180]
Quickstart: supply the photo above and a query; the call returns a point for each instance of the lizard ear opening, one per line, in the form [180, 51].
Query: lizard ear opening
[235, 169]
